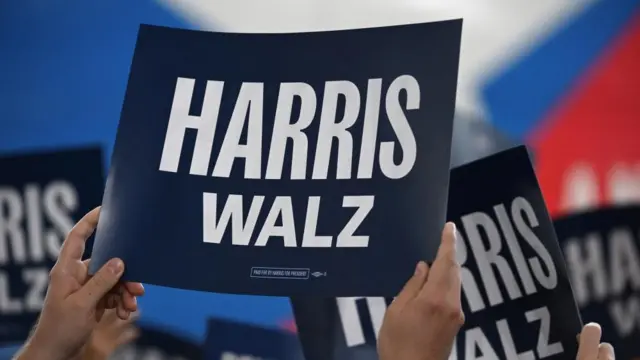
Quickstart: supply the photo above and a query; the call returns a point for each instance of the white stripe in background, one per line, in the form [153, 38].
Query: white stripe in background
[495, 32]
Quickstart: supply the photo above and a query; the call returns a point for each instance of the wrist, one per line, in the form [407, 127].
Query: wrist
[91, 353]
[37, 349]
[32, 351]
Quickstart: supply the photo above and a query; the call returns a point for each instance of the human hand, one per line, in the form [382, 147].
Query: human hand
[422, 322]
[111, 333]
[75, 301]
[590, 347]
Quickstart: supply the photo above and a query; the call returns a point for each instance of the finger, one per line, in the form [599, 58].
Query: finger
[447, 249]
[114, 296]
[123, 324]
[123, 314]
[412, 287]
[61, 271]
[101, 283]
[109, 317]
[81, 271]
[128, 301]
[589, 342]
[444, 276]
[118, 290]
[135, 288]
[606, 352]
[99, 312]
[112, 302]
[73, 246]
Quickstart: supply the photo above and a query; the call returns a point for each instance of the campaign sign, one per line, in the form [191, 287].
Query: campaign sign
[229, 340]
[602, 250]
[159, 344]
[41, 197]
[282, 164]
[516, 294]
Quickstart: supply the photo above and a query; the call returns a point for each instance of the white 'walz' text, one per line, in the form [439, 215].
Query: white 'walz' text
[333, 133]
[476, 344]
[492, 238]
[27, 241]
[608, 279]
[243, 228]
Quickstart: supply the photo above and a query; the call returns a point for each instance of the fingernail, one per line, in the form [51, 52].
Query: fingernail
[419, 268]
[115, 266]
[454, 232]
[593, 325]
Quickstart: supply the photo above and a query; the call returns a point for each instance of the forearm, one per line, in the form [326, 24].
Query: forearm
[31, 351]
[35, 348]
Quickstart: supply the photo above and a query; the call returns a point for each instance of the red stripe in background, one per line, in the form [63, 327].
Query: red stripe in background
[290, 325]
[596, 125]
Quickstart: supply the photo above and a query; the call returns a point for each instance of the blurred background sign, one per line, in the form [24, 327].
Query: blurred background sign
[559, 75]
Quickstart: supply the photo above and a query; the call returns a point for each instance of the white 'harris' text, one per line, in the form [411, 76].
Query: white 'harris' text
[248, 112]
[26, 240]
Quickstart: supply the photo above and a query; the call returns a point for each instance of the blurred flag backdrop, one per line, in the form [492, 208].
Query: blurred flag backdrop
[560, 75]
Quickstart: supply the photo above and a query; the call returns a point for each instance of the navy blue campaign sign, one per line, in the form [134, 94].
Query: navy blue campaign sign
[516, 294]
[300, 164]
[229, 340]
[159, 344]
[42, 195]
[602, 250]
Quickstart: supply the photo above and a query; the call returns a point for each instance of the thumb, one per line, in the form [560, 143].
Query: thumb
[101, 283]
[412, 287]
[589, 342]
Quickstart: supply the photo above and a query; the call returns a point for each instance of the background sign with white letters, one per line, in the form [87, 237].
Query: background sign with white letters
[602, 250]
[229, 340]
[159, 344]
[285, 168]
[516, 294]
[41, 197]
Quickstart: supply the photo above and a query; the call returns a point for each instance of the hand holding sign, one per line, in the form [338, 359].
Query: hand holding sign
[424, 319]
[42, 195]
[516, 295]
[75, 301]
